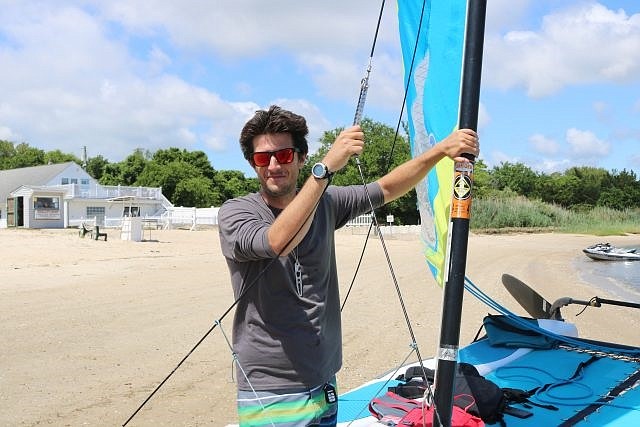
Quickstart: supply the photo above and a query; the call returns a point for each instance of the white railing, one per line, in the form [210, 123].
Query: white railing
[362, 221]
[191, 217]
[173, 217]
[89, 222]
[97, 191]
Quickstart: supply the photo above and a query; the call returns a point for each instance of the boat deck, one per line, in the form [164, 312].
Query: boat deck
[609, 386]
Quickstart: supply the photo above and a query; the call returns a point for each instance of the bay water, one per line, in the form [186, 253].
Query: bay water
[620, 278]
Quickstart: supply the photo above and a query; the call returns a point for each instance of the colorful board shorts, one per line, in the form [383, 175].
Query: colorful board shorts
[288, 408]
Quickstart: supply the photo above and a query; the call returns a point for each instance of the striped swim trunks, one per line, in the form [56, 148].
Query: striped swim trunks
[282, 408]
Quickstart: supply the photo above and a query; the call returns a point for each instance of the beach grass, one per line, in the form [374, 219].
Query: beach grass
[493, 214]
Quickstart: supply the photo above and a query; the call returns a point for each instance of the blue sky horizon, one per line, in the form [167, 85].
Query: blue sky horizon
[560, 79]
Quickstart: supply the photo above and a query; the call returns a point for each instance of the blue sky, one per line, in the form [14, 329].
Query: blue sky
[560, 82]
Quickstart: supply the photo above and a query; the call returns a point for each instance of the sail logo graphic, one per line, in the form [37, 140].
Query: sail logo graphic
[462, 187]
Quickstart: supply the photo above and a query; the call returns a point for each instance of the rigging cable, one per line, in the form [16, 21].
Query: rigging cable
[358, 117]
[474, 290]
[226, 312]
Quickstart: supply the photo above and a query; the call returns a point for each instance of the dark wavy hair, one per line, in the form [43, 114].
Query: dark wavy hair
[274, 120]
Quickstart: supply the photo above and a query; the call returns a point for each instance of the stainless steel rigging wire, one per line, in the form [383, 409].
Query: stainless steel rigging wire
[364, 86]
[358, 116]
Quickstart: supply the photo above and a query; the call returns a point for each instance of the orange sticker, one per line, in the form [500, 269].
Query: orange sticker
[461, 200]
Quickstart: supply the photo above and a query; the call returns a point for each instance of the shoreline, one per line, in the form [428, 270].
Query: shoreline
[619, 286]
[93, 327]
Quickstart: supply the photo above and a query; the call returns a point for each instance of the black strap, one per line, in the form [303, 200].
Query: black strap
[410, 391]
[417, 372]
[615, 392]
[579, 369]
[515, 395]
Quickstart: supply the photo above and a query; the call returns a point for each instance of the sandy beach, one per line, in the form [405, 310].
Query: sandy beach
[90, 328]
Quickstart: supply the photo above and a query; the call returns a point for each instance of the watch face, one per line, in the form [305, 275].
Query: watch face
[318, 170]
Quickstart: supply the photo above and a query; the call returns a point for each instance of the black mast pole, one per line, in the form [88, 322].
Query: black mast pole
[460, 216]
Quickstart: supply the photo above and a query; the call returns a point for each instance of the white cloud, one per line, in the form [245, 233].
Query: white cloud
[6, 134]
[543, 145]
[68, 83]
[248, 28]
[158, 59]
[551, 165]
[74, 78]
[497, 157]
[585, 144]
[484, 118]
[503, 14]
[116, 75]
[315, 120]
[584, 44]
[332, 48]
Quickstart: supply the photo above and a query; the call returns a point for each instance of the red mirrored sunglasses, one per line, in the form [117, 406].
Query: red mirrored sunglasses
[283, 156]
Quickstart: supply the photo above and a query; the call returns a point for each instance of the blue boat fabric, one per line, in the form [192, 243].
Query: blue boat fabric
[556, 369]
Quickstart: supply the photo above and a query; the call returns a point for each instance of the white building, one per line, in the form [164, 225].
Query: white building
[64, 195]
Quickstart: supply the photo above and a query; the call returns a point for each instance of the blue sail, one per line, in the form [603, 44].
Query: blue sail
[433, 69]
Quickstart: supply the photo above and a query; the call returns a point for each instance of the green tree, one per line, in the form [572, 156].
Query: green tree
[383, 152]
[561, 189]
[7, 153]
[26, 156]
[615, 198]
[133, 166]
[168, 176]
[195, 191]
[515, 176]
[481, 179]
[198, 159]
[628, 183]
[625, 179]
[57, 156]
[96, 166]
[111, 174]
[231, 183]
[592, 181]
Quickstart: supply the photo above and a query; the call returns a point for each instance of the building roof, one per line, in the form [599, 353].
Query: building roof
[12, 179]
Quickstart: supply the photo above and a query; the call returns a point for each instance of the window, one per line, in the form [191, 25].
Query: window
[131, 211]
[64, 181]
[46, 203]
[96, 212]
[74, 180]
[46, 207]
[84, 182]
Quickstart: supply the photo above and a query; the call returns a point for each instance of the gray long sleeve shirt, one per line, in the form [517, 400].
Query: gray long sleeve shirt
[287, 337]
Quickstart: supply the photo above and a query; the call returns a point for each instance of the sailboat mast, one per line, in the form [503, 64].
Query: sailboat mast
[460, 217]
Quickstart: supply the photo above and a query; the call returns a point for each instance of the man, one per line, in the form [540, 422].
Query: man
[279, 246]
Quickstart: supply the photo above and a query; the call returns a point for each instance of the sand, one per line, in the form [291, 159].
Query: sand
[90, 328]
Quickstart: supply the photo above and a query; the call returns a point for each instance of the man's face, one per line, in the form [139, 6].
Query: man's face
[278, 180]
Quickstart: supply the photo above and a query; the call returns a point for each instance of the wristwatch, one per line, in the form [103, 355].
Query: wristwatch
[320, 171]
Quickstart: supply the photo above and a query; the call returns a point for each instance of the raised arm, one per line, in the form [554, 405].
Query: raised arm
[299, 213]
[406, 176]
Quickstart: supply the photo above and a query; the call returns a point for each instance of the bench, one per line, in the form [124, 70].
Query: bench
[84, 230]
[96, 234]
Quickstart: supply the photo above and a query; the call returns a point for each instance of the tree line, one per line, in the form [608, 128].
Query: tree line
[188, 178]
